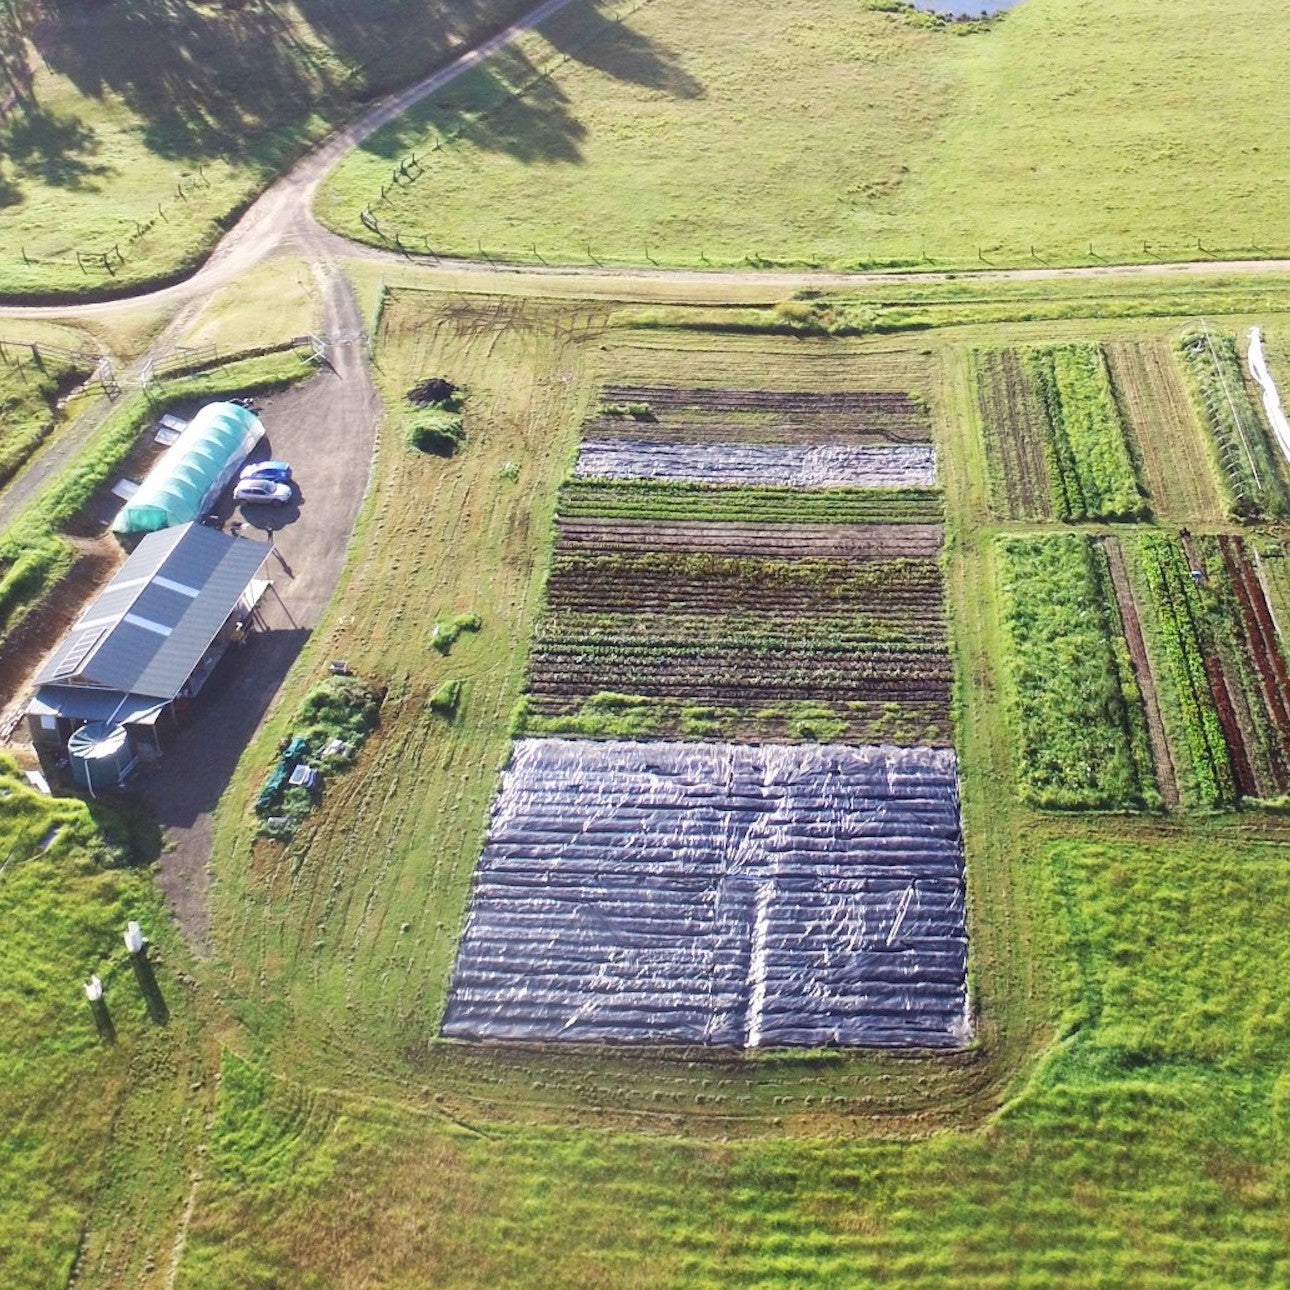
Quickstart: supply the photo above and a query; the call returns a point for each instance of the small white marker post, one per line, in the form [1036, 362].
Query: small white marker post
[94, 990]
[135, 941]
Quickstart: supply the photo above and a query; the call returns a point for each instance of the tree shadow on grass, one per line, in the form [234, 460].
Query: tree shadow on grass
[52, 147]
[511, 105]
[608, 45]
[232, 82]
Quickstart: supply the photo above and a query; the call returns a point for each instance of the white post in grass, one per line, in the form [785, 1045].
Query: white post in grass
[134, 938]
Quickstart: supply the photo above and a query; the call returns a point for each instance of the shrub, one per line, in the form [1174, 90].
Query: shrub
[436, 431]
[443, 636]
[445, 699]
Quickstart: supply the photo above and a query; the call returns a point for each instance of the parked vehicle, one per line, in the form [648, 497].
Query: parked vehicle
[278, 471]
[263, 490]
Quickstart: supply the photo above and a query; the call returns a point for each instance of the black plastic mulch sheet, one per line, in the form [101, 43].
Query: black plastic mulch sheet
[718, 894]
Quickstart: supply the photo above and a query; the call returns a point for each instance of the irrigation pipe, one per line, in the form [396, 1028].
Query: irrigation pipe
[1271, 398]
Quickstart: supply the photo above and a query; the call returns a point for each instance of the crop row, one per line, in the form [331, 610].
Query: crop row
[1191, 664]
[1059, 397]
[1083, 739]
[804, 428]
[1015, 423]
[851, 542]
[1252, 476]
[607, 715]
[647, 580]
[676, 501]
[668, 398]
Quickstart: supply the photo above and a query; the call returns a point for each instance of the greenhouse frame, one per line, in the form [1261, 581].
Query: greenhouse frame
[193, 471]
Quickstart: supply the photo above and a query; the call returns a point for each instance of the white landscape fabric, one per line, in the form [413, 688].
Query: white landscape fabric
[1271, 398]
[718, 894]
[783, 465]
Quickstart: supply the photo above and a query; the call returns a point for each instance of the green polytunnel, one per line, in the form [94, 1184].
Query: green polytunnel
[193, 471]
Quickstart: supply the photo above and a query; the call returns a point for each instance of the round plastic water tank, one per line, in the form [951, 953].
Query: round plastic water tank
[100, 756]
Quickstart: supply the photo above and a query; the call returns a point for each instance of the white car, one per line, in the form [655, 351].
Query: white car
[263, 490]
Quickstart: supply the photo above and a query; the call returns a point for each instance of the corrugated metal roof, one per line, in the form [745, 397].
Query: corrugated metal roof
[82, 704]
[151, 625]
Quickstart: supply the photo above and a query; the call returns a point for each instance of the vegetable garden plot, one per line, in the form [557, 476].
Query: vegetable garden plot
[855, 648]
[813, 466]
[665, 414]
[1062, 394]
[1247, 461]
[1084, 740]
[1016, 436]
[718, 894]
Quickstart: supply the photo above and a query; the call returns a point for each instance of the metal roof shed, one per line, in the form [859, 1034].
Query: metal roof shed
[151, 626]
[193, 471]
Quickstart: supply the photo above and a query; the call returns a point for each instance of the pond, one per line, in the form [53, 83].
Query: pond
[964, 8]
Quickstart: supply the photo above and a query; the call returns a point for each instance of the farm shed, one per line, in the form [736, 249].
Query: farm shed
[193, 471]
[145, 646]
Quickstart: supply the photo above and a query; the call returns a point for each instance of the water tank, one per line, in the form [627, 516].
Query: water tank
[100, 756]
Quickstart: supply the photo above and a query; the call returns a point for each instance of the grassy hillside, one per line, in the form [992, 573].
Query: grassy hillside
[836, 134]
[136, 131]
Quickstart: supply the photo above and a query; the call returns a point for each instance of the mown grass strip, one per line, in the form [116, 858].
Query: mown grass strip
[1083, 737]
[642, 499]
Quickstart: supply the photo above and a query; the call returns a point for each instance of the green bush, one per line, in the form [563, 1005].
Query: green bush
[443, 636]
[446, 698]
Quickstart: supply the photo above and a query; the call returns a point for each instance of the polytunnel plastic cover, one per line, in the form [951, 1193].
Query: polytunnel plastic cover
[193, 471]
[718, 894]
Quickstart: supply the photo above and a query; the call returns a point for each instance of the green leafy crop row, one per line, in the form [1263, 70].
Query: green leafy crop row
[1082, 729]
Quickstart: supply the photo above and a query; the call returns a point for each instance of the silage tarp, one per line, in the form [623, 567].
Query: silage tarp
[782, 465]
[718, 894]
[193, 471]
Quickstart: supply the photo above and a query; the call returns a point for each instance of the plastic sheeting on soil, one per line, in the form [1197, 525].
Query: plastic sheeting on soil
[816, 466]
[1271, 398]
[718, 894]
[193, 471]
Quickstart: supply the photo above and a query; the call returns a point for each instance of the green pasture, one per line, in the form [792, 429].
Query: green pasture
[844, 134]
[96, 1118]
[1145, 1149]
[134, 134]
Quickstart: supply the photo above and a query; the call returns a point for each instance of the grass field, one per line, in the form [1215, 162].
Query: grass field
[83, 1106]
[836, 135]
[113, 145]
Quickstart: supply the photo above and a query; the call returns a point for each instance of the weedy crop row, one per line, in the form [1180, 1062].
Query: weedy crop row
[1089, 465]
[1015, 426]
[1252, 476]
[1180, 614]
[642, 499]
[1051, 423]
[607, 715]
[1083, 737]
[661, 399]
